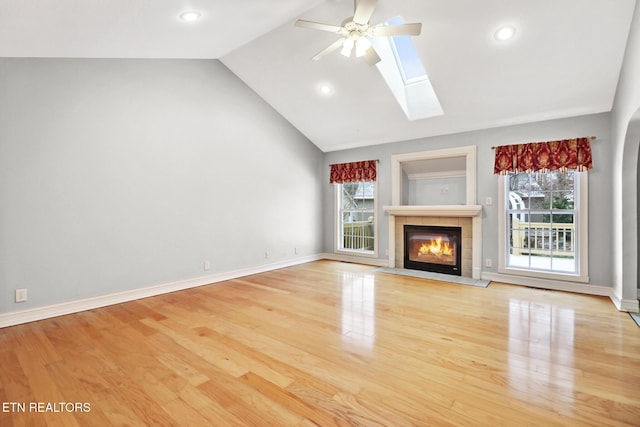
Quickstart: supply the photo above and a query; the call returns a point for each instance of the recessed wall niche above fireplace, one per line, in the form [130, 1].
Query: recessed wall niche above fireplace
[433, 248]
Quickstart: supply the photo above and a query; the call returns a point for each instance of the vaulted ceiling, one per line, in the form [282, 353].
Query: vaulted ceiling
[564, 60]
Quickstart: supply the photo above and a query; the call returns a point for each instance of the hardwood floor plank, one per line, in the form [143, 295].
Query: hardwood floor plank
[77, 393]
[189, 339]
[44, 388]
[183, 414]
[247, 403]
[289, 400]
[210, 409]
[15, 383]
[184, 367]
[329, 343]
[140, 402]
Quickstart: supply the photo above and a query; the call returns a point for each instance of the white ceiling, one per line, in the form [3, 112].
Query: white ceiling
[564, 60]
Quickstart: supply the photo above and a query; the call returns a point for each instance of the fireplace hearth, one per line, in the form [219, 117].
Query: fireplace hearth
[433, 248]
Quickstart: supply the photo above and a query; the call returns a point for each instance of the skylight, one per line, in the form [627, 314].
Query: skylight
[406, 76]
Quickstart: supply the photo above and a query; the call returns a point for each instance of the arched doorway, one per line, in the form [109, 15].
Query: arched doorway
[630, 209]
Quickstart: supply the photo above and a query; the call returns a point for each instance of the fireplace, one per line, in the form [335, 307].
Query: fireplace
[433, 248]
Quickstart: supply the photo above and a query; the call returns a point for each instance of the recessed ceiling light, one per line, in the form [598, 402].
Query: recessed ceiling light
[190, 16]
[325, 89]
[505, 33]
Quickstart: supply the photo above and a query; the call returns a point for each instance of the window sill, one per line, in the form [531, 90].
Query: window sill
[372, 254]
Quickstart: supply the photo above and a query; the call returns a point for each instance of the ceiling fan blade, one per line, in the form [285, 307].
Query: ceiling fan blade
[371, 57]
[364, 10]
[318, 26]
[396, 30]
[333, 46]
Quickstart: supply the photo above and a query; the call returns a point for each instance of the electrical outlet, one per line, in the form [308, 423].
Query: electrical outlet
[21, 295]
[266, 254]
[207, 265]
[488, 263]
[295, 251]
[489, 201]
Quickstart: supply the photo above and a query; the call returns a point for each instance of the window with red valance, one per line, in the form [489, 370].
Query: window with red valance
[353, 172]
[356, 207]
[563, 155]
[543, 224]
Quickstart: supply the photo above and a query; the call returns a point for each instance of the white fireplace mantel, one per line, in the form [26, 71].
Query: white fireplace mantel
[436, 210]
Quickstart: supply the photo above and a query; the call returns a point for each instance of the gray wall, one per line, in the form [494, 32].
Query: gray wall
[121, 174]
[600, 181]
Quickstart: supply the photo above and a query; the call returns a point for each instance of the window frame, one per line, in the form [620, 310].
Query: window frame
[582, 234]
[338, 236]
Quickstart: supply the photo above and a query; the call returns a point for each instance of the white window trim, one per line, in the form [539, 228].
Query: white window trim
[336, 234]
[583, 236]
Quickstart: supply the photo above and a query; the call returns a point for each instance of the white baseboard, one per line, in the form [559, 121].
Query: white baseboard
[555, 285]
[581, 288]
[628, 305]
[39, 313]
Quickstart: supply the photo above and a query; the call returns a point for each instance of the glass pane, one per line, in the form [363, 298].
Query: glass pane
[540, 262]
[562, 200]
[518, 232]
[519, 183]
[563, 243]
[349, 196]
[358, 235]
[357, 216]
[544, 200]
[565, 181]
[538, 182]
[541, 222]
[538, 217]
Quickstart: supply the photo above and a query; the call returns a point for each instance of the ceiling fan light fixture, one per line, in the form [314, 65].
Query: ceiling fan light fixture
[362, 46]
[347, 47]
[190, 16]
[356, 31]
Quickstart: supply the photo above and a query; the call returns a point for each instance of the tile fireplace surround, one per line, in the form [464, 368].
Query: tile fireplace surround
[465, 216]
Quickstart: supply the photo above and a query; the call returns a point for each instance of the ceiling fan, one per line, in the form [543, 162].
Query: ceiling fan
[355, 32]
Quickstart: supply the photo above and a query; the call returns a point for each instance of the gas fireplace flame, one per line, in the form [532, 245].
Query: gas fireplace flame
[435, 247]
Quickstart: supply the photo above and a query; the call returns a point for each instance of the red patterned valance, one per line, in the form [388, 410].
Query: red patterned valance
[353, 172]
[567, 154]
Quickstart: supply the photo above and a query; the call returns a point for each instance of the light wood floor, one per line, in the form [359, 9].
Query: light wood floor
[330, 343]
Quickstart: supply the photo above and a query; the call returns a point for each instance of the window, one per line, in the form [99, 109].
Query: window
[403, 71]
[544, 224]
[356, 217]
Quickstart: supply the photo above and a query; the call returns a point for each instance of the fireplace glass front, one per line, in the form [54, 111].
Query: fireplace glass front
[433, 248]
